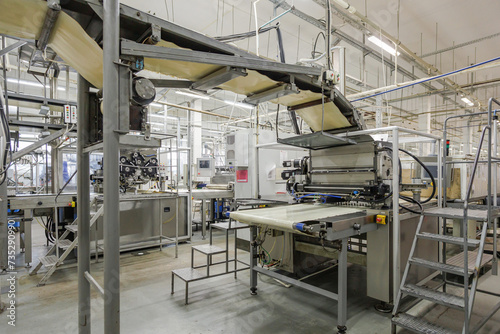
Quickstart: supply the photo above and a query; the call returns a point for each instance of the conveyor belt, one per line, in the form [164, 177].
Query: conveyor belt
[284, 217]
[24, 19]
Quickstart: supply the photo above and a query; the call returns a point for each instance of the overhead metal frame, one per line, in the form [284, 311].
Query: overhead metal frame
[130, 48]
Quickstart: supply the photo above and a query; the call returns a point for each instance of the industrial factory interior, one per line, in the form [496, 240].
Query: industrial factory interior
[249, 166]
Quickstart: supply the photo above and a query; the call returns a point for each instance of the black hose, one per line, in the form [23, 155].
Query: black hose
[413, 201]
[236, 37]
[433, 181]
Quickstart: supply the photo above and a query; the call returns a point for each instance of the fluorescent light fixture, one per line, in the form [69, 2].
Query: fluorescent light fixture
[239, 104]
[156, 105]
[163, 117]
[467, 102]
[378, 42]
[29, 135]
[31, 84]
[192, 95]
[213, 131]
[157, 123]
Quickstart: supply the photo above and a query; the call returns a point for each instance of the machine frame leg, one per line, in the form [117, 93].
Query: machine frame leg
[342, 289]
[253, 260]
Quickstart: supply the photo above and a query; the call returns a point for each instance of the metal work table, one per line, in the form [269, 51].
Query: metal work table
[209, 194]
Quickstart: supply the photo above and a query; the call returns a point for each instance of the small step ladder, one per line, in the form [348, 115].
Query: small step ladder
[50, 261]
[196, 273]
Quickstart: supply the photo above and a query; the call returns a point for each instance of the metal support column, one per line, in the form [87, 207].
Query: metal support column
[396, 271]
[253, 260]
[203, 220]
[342, 288]
[111, 169]
[83, 209]
[495, 193]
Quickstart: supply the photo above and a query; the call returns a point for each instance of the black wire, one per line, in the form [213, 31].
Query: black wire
[313, 53]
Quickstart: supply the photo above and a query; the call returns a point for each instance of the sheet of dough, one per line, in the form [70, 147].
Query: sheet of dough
[283, 217]
[24, 19]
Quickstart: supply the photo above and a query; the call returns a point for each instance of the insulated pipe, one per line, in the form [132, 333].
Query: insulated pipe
[256, 27]
[328, 33]
[192, 109]
[111, 168]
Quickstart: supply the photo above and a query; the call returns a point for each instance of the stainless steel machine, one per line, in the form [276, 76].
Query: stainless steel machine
[343, 193]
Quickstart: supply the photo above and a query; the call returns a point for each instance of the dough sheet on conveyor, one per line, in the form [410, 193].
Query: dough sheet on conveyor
[284, 217]
[24, 19]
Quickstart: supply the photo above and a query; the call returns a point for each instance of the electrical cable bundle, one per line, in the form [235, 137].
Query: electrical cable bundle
[49, 229]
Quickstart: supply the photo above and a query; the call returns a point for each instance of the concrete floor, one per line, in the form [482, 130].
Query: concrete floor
[217, 305]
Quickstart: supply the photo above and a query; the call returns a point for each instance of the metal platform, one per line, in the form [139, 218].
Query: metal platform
[438, 297]
[458, 260]
[456, 213]
[419, 325]
[209, 249]
[448, 239]
[189, 274]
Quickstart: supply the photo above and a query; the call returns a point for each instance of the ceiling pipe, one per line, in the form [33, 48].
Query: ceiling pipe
[388, 89]
[191, 109]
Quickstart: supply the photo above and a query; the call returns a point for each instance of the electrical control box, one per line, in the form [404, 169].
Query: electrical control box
[67, 114]
[74, 115]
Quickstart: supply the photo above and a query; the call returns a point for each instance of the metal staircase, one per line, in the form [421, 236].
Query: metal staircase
[52, 260]
[466, 264]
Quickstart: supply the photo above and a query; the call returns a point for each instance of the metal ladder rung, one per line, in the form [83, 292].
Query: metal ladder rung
[419, 325]
[49, 261]
[65, 243]
[447, 239]
[439, 266]
[438, 297]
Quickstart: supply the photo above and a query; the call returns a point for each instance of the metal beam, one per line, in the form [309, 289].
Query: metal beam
[219, 77]
[130, 48]
[273, 93]
[39, 99]
[35, 125]
[169, 83]
[36, 145]
[12, 47]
